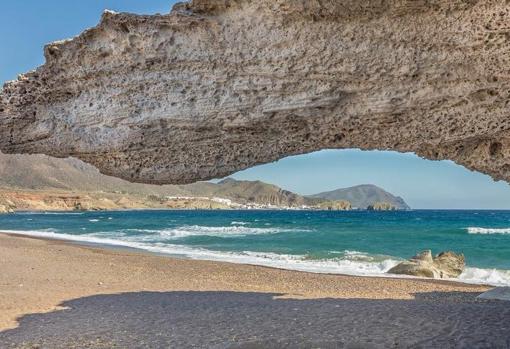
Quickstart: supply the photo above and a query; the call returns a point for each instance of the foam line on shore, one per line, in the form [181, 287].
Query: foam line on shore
[352, 263]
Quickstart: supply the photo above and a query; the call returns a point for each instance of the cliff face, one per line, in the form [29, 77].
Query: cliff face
[57, 200]
[382, 206]
[337, 205]
[221, 85]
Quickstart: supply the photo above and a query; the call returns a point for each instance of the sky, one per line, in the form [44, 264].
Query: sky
[27, 25]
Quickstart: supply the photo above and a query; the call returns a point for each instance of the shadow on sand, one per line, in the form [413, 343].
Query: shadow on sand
[262, 320]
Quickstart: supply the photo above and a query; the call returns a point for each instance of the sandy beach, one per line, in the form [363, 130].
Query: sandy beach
[55, 294]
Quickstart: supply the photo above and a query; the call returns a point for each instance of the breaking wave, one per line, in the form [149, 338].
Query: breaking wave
[198, 230]
[344, 262]
[493, 277]
[479, 230]
[232, 231]
[350, 263]
[175, 233]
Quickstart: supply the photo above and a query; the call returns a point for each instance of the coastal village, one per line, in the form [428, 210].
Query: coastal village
[232, 173]
[42, 183]
[47, 201]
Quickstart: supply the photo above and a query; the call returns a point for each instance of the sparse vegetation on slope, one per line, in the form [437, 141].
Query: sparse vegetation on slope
[39, 182]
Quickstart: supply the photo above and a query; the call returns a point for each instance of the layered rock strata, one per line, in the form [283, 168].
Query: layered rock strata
[217, 86]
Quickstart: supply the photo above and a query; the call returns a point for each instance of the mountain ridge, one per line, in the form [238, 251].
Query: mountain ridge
[40, 173]
[364, 196]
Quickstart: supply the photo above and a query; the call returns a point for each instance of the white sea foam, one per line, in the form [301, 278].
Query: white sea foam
[350, 263]
[304, 263]
[283, 261]
[93, 220]
[150, 231]
[238, 223]
[198, 230]
[231, 231]
[479, 230]
[493, 277]
[47, 233]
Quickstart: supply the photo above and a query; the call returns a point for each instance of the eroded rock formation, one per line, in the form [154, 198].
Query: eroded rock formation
[221, 85]
[444, 265]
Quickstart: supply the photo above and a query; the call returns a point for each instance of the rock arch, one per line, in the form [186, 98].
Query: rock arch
[221, 85]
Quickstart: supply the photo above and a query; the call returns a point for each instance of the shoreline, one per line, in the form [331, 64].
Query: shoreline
[117, 209]
[238, 259]
[137, 250]
[39, 274]
[283, 208]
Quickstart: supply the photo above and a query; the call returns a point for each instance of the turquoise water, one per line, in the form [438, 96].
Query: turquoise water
[356, 242]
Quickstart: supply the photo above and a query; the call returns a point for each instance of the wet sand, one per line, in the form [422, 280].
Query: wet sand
[81, 296]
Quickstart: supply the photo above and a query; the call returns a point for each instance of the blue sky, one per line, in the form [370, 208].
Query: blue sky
[26, 25]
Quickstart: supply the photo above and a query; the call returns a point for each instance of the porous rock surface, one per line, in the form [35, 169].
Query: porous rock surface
[217, 86]
[443, 266]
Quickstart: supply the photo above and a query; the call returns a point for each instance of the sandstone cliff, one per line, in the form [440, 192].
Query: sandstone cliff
[47, 200]
[337, 205]
[221, 85]
[381, 206]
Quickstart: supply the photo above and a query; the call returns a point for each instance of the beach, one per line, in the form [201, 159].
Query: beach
[58, 294]
[225, 174]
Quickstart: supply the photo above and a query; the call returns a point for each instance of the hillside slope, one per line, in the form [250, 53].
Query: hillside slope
[363, 196]
[40, 173]
[43, 173]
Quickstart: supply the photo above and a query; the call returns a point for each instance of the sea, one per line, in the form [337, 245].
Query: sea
[336, 242]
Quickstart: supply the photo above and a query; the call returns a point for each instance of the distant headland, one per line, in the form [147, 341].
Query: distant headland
[42, 183]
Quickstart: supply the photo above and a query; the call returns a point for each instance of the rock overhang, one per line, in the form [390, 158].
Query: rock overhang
[217, 86]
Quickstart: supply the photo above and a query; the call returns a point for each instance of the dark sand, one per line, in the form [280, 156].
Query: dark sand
[145, 301]
[258, 320]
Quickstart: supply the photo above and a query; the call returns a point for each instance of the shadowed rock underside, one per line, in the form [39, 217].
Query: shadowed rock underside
[217, 86]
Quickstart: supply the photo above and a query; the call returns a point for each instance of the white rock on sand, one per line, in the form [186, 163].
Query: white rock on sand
[444, 265]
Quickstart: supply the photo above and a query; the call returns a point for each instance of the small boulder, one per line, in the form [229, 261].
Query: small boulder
[443, 266]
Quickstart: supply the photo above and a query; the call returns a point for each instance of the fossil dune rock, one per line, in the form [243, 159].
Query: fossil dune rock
[444, 265]
[217, 86]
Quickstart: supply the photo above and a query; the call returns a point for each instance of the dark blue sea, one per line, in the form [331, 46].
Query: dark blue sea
[353, 242]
